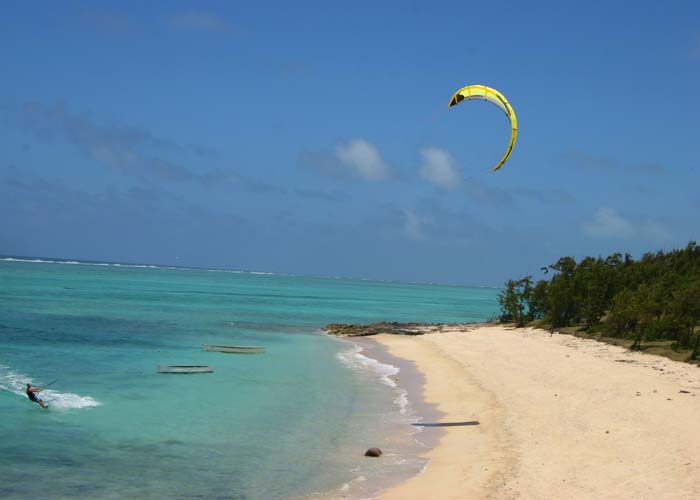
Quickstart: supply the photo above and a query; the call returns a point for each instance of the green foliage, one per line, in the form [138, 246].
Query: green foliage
[656, 298]
[538, 301]
[563, 308]
[514, 299]
[685, 307]
[623, 313]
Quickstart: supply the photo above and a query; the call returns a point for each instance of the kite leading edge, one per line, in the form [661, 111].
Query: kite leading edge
[495, 97]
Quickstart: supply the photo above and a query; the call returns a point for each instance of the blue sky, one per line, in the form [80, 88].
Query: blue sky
[316, 138]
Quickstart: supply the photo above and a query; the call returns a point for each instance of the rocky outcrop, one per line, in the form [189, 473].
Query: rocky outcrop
[345, 330]
[394, 328]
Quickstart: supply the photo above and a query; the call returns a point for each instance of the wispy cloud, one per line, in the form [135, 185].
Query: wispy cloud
[121, 148]
[41, 196]
[415, 225]
[108, 21]
[608, 223]
[482, 192]
[199, 21]
[193, 20]
[145, 223]
[357, 158]
[427, 220]
[610, 165]
[439, 169]
[549, 196]
[315, 194]
[131, 151]
[229, 178]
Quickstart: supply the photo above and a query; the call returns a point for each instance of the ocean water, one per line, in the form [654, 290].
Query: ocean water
[290, 423]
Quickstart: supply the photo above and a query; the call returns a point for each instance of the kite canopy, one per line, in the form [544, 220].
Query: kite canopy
[493, 96]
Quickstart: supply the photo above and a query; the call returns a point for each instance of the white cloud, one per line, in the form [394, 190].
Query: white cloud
[363, 159]
[415, 224]
[438, 169]
[607, 222]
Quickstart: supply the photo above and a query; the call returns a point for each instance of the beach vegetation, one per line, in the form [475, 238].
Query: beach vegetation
[653, 302]
[514, 299]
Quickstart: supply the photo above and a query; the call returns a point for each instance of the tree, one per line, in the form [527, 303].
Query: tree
[623, 313]
[594, 285]
[654, 298]
[514, 299]
[538, 303]
[563, 309]
[646, 308]
[685, 307]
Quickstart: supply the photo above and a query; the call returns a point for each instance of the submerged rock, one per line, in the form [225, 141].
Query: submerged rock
[373, 452]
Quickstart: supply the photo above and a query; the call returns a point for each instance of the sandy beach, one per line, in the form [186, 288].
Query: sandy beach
[530, 415]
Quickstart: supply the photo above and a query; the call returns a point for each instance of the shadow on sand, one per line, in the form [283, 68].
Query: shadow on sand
[448, 424]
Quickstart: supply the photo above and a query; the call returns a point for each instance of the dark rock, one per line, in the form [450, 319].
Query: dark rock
[393, 328]
[345, 330]
[373, 452]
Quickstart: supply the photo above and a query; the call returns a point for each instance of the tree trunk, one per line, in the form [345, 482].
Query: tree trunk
[638, 341]
[696, 348]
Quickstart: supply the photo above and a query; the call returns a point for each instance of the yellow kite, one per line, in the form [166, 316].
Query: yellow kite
[493, 96]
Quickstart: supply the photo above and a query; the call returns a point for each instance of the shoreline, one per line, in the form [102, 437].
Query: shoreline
[404, 444]
[558, 417]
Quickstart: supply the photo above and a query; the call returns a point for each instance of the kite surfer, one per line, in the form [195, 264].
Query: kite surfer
[32, 394]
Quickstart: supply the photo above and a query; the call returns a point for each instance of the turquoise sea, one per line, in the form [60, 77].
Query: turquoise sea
[290, 423]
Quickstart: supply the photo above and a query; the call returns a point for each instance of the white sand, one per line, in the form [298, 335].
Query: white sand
[559, 418]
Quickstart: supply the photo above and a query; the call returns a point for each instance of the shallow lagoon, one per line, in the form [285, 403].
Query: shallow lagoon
[283, 424]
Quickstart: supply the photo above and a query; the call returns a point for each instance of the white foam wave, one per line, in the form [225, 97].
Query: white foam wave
[67, 400]
[11, 381]
[10, 259]
[138, 266]
[346, 486]
[354, 359]
[402, 401]
[74, 262]
[15, 383]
